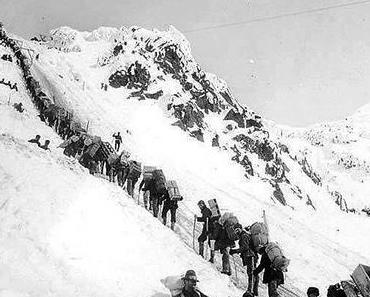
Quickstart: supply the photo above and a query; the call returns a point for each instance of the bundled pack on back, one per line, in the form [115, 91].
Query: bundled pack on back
[148, 172]
[159, 181]
[174, 283]
[260, 236]
[213, 206]
[229, 221]
[173, 190]
[276, 256]
[135, 169]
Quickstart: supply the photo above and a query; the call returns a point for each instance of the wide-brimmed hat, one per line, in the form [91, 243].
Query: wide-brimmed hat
[190, 275]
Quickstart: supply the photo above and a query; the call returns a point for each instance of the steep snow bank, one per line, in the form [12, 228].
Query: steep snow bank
[66, 233]
[316, 241]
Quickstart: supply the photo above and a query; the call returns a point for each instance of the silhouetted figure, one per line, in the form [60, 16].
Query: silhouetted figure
[45, 146]
[117, 141]
[36, 140]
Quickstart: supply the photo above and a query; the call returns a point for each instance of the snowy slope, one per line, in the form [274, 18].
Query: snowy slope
[311, 229]
[339, 154]
[66, 233]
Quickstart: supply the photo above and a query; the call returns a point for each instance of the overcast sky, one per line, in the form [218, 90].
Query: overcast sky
[295, 70]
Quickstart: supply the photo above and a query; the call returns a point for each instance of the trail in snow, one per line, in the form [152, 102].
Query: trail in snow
[309, 238]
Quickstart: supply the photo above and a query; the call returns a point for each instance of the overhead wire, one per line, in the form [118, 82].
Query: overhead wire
[269, 18]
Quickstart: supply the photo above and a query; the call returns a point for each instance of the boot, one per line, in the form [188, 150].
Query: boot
[201, 248]
[172, 226]
[212, 259]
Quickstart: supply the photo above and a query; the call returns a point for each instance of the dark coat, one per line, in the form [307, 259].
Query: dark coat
[206, 217]
[168, 202]
[150, 186]
[270, 273]
[195, 293]
[246, 248]
[219, 234]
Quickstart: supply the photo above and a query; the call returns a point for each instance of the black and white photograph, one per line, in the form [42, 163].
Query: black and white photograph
[194, 148]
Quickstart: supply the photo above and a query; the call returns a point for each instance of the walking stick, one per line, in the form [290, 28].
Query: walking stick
[207, 240]
[236, 271]
[195, 220]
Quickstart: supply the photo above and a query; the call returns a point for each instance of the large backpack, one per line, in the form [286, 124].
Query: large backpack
[215, 210]
[159, 181]
[260, 236]
[276, 256]
[173, 190]
[148, 172]
[174, 283]
[135, 169]
[92, 149]
[228, 220]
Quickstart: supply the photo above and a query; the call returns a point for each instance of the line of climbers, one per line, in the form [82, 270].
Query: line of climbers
[219, 231]
[91, 151]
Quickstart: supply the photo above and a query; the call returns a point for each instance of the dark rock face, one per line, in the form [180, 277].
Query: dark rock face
[236, 117]
[188, 115]
[278, 194]
[136, 76]
[307, 169]
[170, 62]
[262, 148]
[118, 79]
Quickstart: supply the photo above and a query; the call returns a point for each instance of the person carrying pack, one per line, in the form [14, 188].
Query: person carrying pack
[272, 277]
[154, 196]
[205, 219]
[183, 286]
[249, 258]
[147, 176]
[133, 176]
[171, 205]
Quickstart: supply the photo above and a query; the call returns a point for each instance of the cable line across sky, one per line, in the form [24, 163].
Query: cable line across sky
[269, 18]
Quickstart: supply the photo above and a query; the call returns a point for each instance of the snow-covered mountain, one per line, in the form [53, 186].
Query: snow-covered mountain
[90, 239]
[338, 154]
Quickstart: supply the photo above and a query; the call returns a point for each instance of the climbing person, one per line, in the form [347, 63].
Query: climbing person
[271, 276]
[205, 219]
[36, 140]
[313, 292]
[45, 146]
[117, 141]
[169, 205]
[249, 258]
[18, 107]
[134, 173]
[146, 193]
[153, 196]
[222, 244]
[190, 290]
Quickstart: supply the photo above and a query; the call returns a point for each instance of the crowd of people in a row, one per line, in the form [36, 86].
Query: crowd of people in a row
[219, 232]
